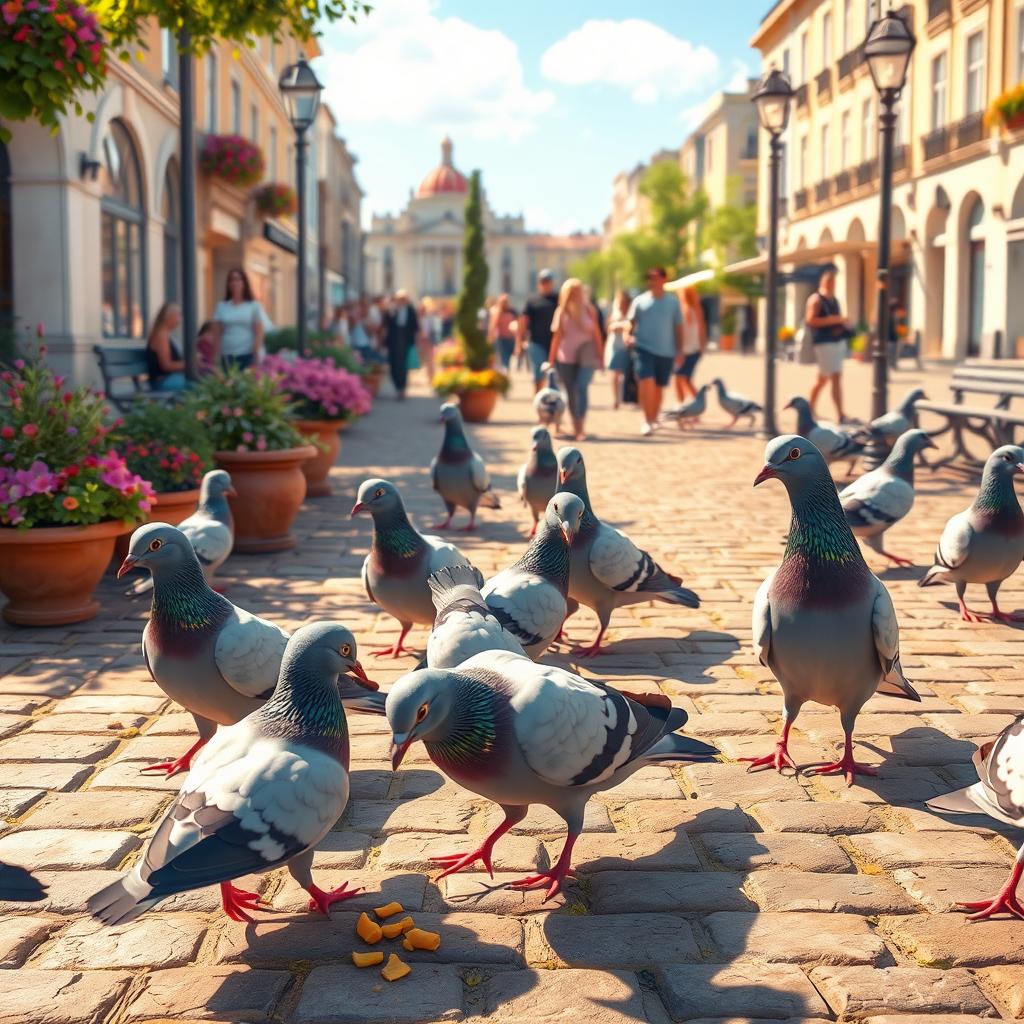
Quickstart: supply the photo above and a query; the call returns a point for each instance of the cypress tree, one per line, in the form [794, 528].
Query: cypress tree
[472, 337]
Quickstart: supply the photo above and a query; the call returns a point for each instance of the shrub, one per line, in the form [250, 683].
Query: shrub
[317, 389]
[166, 445]
[1006, 106]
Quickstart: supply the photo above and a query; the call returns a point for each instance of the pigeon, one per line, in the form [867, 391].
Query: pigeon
[519, 733]
[881, 498]
[607, 570]
[893, 424]
[689, 412]
[401, 560]
[833, 442]
[530, 598]
[549, 402]
[458, 473]
[984, 543]
[261, 795]
[210, 529]
[734, 404]
[822, 622]
[999, 793]
[217, 660]
[538, 476]
[464, 625]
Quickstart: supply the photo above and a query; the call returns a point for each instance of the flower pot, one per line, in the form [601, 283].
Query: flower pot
[270, 488]
[726, 342]
[49, 572]
[477, 405]
[373, 378]
[317, 468]
[1015, 122]
[170, 507]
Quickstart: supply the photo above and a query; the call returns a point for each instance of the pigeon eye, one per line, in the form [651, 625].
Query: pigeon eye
[556, 508]
[379, 493]
[794, 454]
[346, 650]
[156, 545]
[422, 713]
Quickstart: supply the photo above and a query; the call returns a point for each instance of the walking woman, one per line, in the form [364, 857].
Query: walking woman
[616, 354]
[238, 323]
[695, 339]
[576, 349]
[501, 331]
[163, 357]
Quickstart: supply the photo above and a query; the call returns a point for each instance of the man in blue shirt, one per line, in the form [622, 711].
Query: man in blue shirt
[657, 342]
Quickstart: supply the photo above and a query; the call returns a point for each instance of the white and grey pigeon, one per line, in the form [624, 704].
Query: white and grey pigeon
[537, 479]
[822, 622]
[549, 402]
[689, 413]
[261, 795]
[880, 499]
[984, 543]
[217, 660]
[892, 425]
[607, 570]
[519, 733]
[999, 793]
[834, 443]
[464, 625]
[458, 473]
[735, 404]
[401, 560]
[530, 597]
[210, 529]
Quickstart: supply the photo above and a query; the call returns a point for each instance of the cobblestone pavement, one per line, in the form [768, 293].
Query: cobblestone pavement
[703, 892]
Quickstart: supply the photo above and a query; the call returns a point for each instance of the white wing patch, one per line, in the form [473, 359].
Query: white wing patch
[615, 559]
[885, 628]
[955, 542]
[249, 652]
[478, 473]
[443, 554]
[210, 539]
[521, 482]
[534, 604]
[884, 498]
[761, 620]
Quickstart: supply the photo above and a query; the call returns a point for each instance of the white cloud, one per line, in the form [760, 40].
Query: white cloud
[632, 54]
[740, 76]
[411, 67]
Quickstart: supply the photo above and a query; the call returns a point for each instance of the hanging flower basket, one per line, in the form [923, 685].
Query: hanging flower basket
[1007, 109]
[233, 159]
[276, 200]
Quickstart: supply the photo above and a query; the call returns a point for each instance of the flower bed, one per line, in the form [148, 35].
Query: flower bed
[457, 380]
[232, 158]
[166, 445]
[317, 389]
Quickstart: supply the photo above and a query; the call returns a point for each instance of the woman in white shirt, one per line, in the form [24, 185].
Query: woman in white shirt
[238, 324]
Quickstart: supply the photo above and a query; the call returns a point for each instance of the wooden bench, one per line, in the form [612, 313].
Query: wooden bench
[119, 366]
[996, 423]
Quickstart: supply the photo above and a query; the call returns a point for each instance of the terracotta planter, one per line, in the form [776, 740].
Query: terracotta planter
[317, 468]
[477, 405]
[373, 379]
[49, 572]
[171, 507]
[270, 488]
[727, 342]
[1015, 122]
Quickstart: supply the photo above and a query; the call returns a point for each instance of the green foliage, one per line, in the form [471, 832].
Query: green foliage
[166, 445]
[474, 283]
[320, 345]
[729, 320]
[598, 270]
[731, 231]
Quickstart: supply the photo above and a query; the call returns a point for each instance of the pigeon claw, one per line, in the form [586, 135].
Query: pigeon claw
[179, 764]
[237, 901]
[846, 766]
[453, 862]
[322, 901]
[966, 615]
[902, 563]
[553, 879]
[1003, 903]
[778, 759]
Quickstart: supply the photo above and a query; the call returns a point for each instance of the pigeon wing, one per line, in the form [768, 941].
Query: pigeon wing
[433, 473]
[478, 473]
[761, 620]
[955, 543]
[1002, 772]
[248, 653]
[526, 605]
[876, 500]
[442, 554]
[211, 540]
[366, 579]
[620, 565]
[886, 632]
[521, 481]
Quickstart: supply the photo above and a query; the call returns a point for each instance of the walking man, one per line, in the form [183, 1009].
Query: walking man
[830, 331]
[657, 342]
[401, 331]
[535, 324]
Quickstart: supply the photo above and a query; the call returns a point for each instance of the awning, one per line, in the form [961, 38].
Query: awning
[690, 280]
[817, 254]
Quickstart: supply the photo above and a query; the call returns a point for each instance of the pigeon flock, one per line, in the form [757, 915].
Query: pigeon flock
[268, 775]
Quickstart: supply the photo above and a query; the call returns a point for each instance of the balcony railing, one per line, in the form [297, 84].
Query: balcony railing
[899, 158]
[800, 199]
[849, 62]
[801, 96]
[867, 172]
[969, 130]
[841, 183]
[937, 8]
[823, 82]
[822, 190]
[935, 143]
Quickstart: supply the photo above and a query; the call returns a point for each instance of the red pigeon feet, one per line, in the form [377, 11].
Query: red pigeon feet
[845, 766]
[453, 862]
[1003, 903]
[966, 615]
[999, 616]
[553, 879]
[397, 649]
[179, 764]
[237, 901]
[323, 901]
[594, 648]
[443, 526]
[902, 563]
[778, 759]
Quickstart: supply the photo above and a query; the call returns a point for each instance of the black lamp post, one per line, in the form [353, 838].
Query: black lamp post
[301, 90]
[772, 98]
[887, 51]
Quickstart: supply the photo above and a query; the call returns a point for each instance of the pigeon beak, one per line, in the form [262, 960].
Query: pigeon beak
[127, 565]
[1020, 468]
[788, 405]
[356, 509]
[534, 446]
[360, 673]
[231, 492]
[766, 474]
[563, 475]
[567, 532]
[398, 749]
[929, 443]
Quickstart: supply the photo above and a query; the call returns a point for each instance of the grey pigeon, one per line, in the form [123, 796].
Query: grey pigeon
[530, 597]
[689, 412]
[999, 793]
[538, 476]
[458, 473]
[464, 625]
[401, 560]
[880, 499]
[834, 443]
[822, 622]
[984, 543]
[891, 425]
[215, 659]
[549, 402]
[261, 795]
[519, 733]
[734, 404]
[607, 570]
[210, 529]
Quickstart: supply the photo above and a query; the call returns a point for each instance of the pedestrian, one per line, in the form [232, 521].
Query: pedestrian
[657, 342]
[238, 323]
[163, 356]
[401, 331]
[576, 349]
[616, 354]
[337, 326]
[535, 325]
[501, 331]
[205, 352]
[830, 331]
[695, 340]
[425, 340]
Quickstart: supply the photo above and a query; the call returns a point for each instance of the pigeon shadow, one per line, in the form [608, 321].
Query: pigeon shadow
[954, 609]
[19, 885]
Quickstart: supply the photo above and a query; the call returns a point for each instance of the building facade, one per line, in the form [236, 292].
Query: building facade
[958, 209]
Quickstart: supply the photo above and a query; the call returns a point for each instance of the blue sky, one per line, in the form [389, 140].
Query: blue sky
[549, 99]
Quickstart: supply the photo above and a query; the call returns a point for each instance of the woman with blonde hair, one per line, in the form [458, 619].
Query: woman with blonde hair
[163, 357]
[695, 338]
[501, 330]
[576, 349]
[616, 353]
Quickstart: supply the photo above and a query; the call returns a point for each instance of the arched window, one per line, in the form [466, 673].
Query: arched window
[975, 277]
[171, 212]
[121, 237]
[506, 269]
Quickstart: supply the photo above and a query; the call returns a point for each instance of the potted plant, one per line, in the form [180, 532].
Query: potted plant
[232, 158]
[324, 398]
[65, 496]
[276, 199]
[1007, 110]
[477, 390]
[248, 422]
[727, 335]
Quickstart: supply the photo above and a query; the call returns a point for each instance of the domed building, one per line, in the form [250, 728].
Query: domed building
[420, 249]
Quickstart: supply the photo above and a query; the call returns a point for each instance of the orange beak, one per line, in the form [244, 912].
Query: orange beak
[127, 565]
[356, 509]
[766, 474]
[360, 674]
[398, 751]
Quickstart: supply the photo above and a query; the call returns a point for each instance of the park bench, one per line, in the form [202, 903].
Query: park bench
[126, 377]
[972, 383]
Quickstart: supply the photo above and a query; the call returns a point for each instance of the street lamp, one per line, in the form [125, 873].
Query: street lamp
[772, 98]
[887, 51]
[301, 91]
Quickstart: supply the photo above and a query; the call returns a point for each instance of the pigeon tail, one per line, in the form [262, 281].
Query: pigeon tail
[677, 595]
[117, 904]
[673, 747]
[452, 582]
[960, 801]
[896, 684]
[489, 499]
[936, 574]
[357, 698]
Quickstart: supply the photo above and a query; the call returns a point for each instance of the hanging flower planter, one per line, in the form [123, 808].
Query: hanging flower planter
[233, 159]
[276, 200]
[1007, 110]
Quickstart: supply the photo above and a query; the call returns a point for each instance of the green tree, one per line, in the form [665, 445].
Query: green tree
[731, 232]
[596, 269]
[474, 283]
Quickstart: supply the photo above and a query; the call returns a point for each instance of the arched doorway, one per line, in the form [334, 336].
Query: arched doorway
[6, 254]
[1015, 274]
[934, 277]
[975, 256]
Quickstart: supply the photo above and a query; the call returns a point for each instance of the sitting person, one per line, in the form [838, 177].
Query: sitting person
[163, 357]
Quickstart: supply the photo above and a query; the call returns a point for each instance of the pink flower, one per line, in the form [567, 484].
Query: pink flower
[261, 443]
[30, 430]
[7, 433]
[247, 436]
[70, 503]
[14, 515]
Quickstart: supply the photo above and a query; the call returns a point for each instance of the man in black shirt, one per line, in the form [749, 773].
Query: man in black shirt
[535, 324]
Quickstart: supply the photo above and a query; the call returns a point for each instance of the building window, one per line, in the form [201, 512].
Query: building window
[826, 39]
[271, 47]
[848, 26]
[867, 142]
[901, 110]
[236, 107]
[974, 97]
[783, 170]
[803, 57]
[938, 118]
[172, 253]
[845, 157]
[389, 269]
[506, 269]
[272, 146]
[824, 152]
[122, 220]
[169, 57]
[801, 167]
[254, 123]
[448, 265]
[785, 61]
[1020, 42]
[211, 92]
